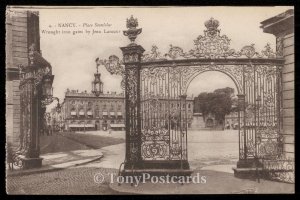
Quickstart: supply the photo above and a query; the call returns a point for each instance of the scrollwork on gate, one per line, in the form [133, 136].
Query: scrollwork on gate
[153, 55]
[157, 150]
[235, 72]
[282, 168]
[131, 90]
[114, 66]
[185, 74]
[211, 45]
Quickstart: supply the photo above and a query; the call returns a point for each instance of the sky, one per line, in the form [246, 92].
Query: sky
[73, 56]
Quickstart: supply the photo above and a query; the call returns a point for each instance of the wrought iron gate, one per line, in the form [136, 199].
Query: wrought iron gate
[163, 108]
[156, 85]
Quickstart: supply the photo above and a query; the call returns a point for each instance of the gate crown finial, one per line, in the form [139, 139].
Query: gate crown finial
[212, 24]
[212, 27]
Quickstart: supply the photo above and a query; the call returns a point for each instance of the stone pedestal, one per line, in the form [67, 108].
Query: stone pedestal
[29, 163]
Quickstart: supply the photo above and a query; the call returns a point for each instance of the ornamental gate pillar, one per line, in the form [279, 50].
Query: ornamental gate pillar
[35, 93]
[132, 58]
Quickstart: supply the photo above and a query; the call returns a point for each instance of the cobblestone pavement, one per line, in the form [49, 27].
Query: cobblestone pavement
[69, 181]
[80, 181]
[205, 148]
[217, 150]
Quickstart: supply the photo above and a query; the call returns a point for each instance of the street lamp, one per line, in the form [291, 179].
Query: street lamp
[58, 107]
[47, 92]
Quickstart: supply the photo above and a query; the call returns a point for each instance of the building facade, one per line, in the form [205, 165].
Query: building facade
[22, 30]
[84, 111]
[282, 27]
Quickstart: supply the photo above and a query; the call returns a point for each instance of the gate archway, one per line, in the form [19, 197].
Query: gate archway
[156, 132]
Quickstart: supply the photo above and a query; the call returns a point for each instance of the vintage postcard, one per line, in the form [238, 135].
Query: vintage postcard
[144, 100]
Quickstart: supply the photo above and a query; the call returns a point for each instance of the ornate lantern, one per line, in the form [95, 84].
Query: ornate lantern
[97, 84]
[58, 108]
[47, 90]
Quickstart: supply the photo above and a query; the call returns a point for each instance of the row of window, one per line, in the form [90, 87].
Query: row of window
[89, 113]
[172, 105]
[183, 105]
[97, 112]
[73, 102]
[103, 117]
[104, 107]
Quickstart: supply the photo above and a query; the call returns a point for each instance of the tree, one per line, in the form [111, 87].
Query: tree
[227, 91]
[218, 103]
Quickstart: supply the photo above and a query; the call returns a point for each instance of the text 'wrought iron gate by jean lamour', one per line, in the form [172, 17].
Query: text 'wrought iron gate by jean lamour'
[156, 99]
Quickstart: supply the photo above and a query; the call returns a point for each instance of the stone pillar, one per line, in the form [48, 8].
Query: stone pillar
[282, 26]
[132, 55]
[16, 54]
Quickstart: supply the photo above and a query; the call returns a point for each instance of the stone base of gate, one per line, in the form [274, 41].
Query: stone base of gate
[29, 163]
[248, 173]
[248, 168]
[173, 168]
[248, 163]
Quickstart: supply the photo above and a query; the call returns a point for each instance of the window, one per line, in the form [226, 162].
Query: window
[189, 105]
[104, 106]
[97, 111]
[119, 107]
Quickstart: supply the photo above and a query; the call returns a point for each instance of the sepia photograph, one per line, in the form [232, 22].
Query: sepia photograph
[108, 100]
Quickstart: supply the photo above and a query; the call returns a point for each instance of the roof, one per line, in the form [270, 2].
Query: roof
[283, 22]
[280, 16]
